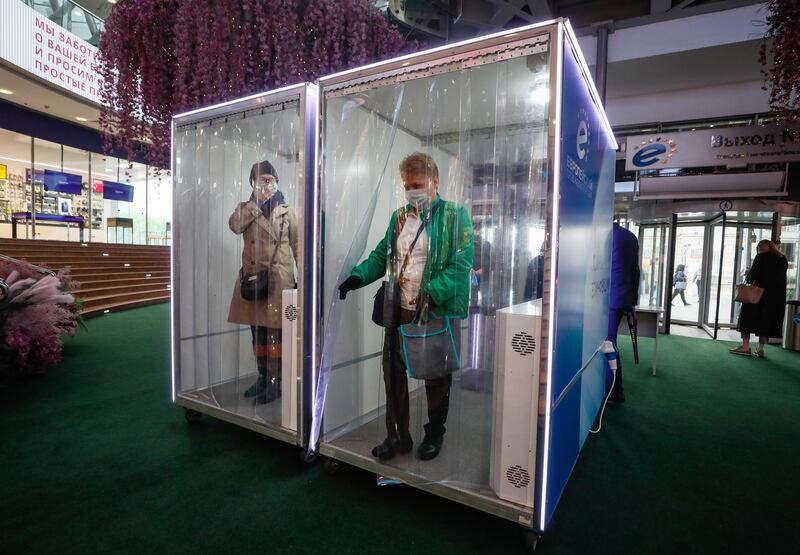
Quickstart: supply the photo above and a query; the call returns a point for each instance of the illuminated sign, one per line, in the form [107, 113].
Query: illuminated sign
[39, 46]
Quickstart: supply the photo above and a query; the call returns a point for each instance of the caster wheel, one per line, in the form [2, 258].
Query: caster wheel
[331, 466]
[308, 457]
[531, 540]
[191, 416]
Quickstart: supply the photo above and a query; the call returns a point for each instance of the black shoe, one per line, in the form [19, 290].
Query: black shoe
[270, 392]
[430, 447]
[256, 388]
[389, 448]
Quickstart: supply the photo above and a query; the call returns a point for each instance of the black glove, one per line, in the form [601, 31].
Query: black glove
[350, 284]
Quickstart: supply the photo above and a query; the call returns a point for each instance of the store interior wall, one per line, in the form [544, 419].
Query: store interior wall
[150, 211]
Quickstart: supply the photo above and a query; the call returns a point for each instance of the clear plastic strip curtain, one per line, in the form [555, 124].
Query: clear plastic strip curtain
[232, 226]
[485, 129]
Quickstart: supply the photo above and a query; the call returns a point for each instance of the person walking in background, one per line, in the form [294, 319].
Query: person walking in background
[625, 277]
[698, 282]
[764, 319]
[679, 284]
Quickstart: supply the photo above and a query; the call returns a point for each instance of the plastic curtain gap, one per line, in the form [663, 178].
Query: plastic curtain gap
[332, 323]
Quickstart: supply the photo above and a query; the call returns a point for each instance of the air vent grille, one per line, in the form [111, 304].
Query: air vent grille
[290, 313]
[523, 343]
[518, 476]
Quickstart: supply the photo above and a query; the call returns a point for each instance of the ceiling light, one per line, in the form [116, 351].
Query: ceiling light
[6, 91]
[81, 118]
[112, 1]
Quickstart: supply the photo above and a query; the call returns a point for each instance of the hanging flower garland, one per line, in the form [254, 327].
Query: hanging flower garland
[161, 57]
[137, 91]
[782, 79]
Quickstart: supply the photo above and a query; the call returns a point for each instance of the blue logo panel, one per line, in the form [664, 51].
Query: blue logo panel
[583, 270]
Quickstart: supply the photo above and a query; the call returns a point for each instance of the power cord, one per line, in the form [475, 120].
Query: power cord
[612, 362]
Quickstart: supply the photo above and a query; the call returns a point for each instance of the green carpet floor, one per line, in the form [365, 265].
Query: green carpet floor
[704, 458]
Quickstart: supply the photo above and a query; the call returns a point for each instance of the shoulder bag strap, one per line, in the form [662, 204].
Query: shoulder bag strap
[425, 221]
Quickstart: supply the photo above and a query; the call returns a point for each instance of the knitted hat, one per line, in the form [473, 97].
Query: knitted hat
[262, 168]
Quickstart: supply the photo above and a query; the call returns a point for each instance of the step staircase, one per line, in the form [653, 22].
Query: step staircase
[112, 277]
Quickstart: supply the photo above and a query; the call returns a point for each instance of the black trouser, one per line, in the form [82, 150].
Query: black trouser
[615, 316]
[267, 349]
[395, 379]
[680, 292]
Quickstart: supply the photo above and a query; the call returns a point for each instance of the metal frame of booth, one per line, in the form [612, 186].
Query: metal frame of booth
[561, 37]
[306, 94]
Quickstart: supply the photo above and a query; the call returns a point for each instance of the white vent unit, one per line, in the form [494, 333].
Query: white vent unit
[515, 404]
[289, 362]
[723, 185]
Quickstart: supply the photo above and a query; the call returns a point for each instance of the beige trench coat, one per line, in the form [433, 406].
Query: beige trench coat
[260, 238]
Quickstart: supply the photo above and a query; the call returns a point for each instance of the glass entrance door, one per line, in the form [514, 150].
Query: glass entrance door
[721, 257]
[687, 275]
[790, 245]
[652, 248]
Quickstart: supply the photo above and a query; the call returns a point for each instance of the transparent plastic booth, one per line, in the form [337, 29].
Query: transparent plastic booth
[476, 181]
[241, 172]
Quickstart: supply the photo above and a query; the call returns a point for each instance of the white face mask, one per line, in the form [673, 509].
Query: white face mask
[268, 186]
[419, 198]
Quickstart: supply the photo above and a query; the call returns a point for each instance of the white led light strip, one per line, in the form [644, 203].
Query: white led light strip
[237, 101]
[173, 290]
[588, 78]
[507, 34]
[553, 268]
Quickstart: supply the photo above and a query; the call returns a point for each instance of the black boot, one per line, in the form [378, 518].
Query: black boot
[391, 447]
[270, 392]
[430, 447]
[258, 387]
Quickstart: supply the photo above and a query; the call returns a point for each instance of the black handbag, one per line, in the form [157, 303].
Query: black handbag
[386, 304]
[257, 287]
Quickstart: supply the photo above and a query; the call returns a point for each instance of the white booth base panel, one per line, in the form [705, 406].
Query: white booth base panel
[227, 395]
[463, 459]
[489, 448]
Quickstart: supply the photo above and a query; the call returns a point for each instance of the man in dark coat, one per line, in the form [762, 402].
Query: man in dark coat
[624, 292]
[764, 319]
[534, 279]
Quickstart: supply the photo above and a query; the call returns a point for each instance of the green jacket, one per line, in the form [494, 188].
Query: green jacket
[446, 275]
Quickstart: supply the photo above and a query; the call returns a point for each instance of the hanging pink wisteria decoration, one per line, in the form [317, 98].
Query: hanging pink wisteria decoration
[160, 57]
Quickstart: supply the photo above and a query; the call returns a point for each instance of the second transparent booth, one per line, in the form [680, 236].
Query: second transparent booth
[241, 171]
[476, 180]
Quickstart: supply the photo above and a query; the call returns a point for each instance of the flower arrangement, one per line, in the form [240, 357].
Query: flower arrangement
[36, 308]
[160, 57]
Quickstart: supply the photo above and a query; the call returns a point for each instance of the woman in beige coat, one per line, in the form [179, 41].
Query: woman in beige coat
[269, 229]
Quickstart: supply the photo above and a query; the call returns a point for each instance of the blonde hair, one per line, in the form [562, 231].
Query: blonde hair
[419, 163]
[771, 247]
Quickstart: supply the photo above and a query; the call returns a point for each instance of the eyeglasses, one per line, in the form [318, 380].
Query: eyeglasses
[265, 181]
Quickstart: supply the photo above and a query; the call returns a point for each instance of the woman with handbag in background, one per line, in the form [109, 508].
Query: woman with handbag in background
[269, 229]
[679, 283]
[763, 299]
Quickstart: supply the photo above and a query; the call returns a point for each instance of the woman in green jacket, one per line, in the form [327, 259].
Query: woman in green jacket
[431, 267]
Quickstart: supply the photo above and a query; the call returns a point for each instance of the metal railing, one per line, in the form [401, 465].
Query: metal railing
[71, 17]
